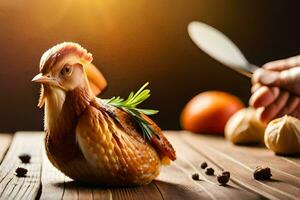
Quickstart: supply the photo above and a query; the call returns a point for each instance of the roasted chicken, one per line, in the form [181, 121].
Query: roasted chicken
[88, 139]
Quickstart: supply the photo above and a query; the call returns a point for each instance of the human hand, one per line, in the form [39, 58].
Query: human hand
[276, 89]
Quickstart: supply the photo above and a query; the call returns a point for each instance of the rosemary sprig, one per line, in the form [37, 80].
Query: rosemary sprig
[129, 106]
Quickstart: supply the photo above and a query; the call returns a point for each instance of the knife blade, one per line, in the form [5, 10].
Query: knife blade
[220, 47]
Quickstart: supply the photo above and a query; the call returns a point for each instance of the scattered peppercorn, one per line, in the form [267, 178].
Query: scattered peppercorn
[195, 176]
[223, 178]
[25, 158]
[21, 172]
[210, 171]
[226, 173]
[262, 173]
[203, 165]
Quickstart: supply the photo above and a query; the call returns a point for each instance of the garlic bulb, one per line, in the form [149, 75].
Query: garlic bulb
[244, 127]
[282, 135]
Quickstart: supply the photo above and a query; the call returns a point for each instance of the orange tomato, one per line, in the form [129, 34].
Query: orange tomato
[209, 111]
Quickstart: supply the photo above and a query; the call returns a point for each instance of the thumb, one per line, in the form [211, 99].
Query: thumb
[287, 79]
[267, 77]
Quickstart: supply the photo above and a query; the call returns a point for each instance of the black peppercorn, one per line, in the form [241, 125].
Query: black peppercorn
[195, 176]
[223, 178]
[210, 171]
[25, 158]
[21, 172]
[226, 173]
[262, 173]
[203, 165]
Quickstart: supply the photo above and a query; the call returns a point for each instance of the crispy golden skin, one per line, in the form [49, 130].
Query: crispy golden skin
[117, 157]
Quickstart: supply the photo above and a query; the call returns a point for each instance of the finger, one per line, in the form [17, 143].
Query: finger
[271, 111]
[283, 64]
[296, 112]
[258, 114]
[259, 111]
[287, 79]
[290, 80]
[290, 106]
[264, 96]
[255, 76]
[255, 87]
[266, 77]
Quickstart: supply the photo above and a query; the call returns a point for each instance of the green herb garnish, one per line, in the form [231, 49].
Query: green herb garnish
[129, 106]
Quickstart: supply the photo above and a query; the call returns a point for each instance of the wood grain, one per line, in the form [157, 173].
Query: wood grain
[189, 162]
[243, 161]
[11, 186]
[174, 182]
[51, 179]
[5, 140]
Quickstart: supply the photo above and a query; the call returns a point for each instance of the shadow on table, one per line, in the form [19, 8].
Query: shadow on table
[167, 190]
[204, 190]
[288, 156]
[76, 184]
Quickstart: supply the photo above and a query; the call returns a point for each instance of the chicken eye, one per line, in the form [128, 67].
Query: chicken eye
[66, 70]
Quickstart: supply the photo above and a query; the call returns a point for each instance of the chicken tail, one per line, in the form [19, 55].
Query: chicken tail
[97, 82]
[165, 160]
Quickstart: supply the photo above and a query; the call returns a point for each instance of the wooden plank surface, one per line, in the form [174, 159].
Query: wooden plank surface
[188, 162]
[11, 186]
[242, 162]
[173, 183]
[5, 140]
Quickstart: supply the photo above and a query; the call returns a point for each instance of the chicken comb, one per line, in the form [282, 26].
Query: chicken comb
[59, 51]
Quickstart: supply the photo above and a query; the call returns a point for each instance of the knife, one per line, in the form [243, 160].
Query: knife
[220, 47]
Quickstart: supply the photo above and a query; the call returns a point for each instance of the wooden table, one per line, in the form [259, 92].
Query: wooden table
[175, 182]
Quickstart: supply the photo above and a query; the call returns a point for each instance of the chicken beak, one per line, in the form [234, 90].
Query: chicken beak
[40, 78]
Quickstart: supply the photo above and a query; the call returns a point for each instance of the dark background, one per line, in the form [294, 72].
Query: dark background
[137, 41]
